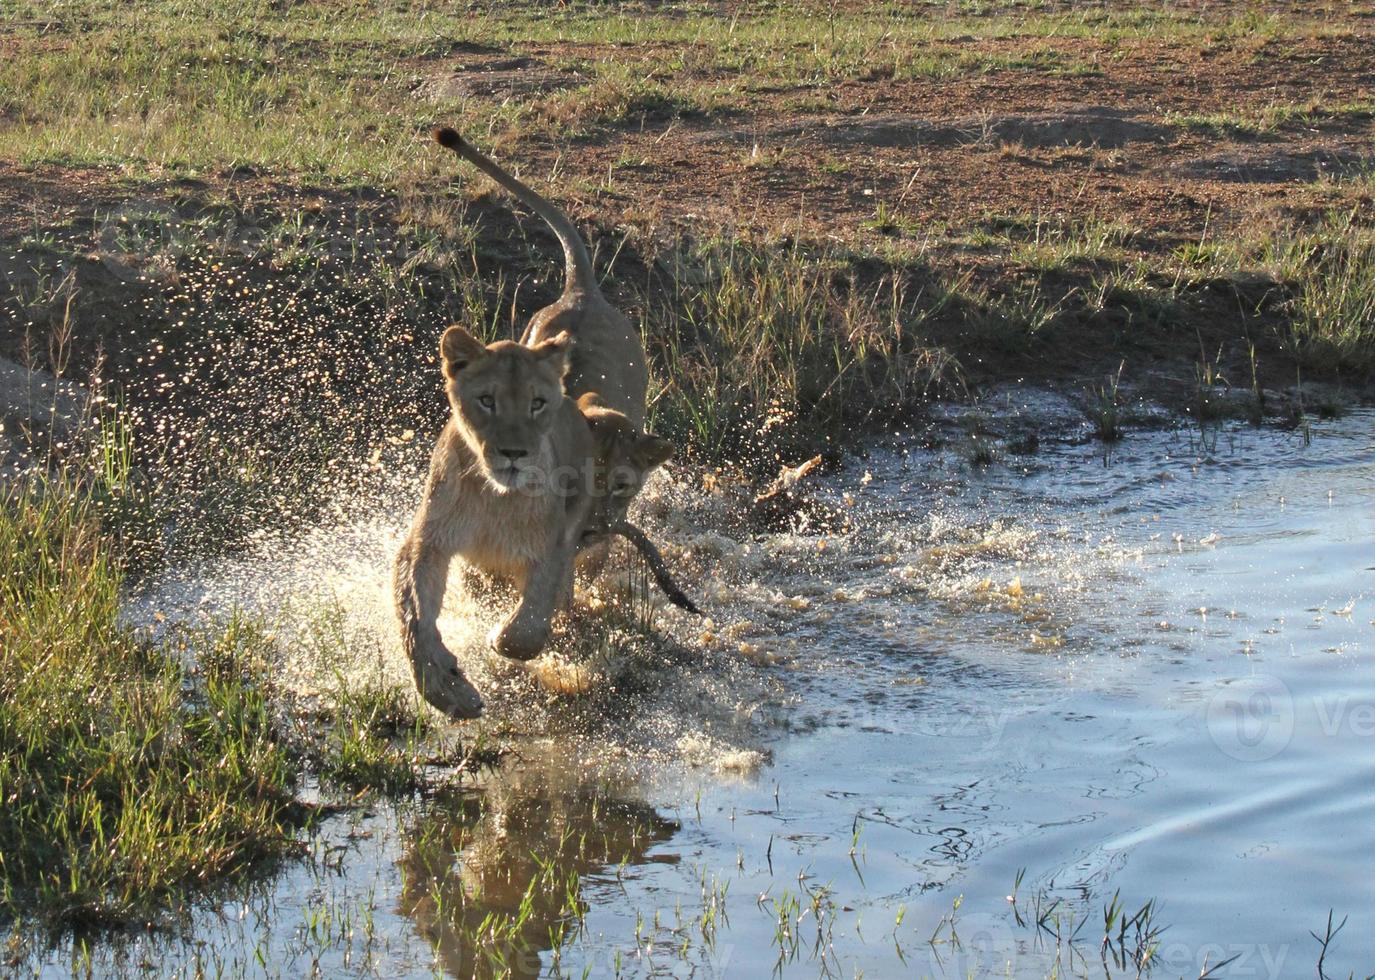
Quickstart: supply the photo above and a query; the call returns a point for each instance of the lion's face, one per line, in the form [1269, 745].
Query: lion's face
[505, 398]
[625, 458]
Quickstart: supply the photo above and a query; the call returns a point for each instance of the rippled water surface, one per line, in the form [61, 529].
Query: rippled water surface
[1147, 675]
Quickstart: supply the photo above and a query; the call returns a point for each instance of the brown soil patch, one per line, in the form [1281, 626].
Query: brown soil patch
[1263, 166]
[1097, 127]
[496, 75]
[957, 150]
[1081, 129]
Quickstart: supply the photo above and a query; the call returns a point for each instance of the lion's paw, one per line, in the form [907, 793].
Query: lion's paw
[444, 687]
[519, 642]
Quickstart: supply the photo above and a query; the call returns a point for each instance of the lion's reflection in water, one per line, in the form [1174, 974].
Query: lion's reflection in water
[492, 878]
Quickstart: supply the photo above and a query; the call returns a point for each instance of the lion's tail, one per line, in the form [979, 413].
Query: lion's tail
[577, 263]
[656, 564]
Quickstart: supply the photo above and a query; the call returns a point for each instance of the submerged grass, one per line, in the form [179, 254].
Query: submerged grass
[1103, 406]
[126, 772]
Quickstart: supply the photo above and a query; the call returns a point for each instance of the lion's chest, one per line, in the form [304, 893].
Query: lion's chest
[503, 534]
[508, 545]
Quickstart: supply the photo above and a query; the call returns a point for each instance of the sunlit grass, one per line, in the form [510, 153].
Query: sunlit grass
[1330, 271]
[772, 344]
[1269, 119]
[129, 768]
[1050, 245]
[1322, 279]
[340, 92]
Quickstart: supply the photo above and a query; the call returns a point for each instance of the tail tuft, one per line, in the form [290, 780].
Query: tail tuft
[447, 137]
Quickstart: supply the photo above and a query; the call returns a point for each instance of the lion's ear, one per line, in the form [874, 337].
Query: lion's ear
[556, 348]
[457, 349]
[650, 451]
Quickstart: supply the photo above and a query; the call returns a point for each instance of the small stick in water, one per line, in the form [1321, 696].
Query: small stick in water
[656, 565]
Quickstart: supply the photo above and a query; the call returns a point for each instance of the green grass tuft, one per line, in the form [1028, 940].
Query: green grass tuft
[125, 774]
[1331, 272]
[769, 341]
[1103, 405]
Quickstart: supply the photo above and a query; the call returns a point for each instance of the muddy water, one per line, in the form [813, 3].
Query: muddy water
[1144, 674]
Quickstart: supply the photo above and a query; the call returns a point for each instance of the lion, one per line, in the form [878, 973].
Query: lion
[608, 359]
[521, 479]
[508, 491]
[625, 458]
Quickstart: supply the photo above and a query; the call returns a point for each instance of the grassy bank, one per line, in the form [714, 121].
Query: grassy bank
[263, 317]
[138, 773]
[130, 769]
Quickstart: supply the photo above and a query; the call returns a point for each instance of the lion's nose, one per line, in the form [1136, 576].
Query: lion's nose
[514, 454]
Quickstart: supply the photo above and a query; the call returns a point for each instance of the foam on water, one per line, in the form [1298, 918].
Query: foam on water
[325, 592]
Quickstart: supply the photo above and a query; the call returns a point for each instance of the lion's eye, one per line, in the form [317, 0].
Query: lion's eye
[487, 402]
[536, 404]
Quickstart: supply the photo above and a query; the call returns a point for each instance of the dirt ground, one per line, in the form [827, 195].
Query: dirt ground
[940, 152]
[957, 151]
[1180, 142]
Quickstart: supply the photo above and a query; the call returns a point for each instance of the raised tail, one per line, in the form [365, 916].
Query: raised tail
[655, 561]
[577, 263]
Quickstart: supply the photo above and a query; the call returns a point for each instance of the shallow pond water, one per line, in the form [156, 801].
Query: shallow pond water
[1088, 677]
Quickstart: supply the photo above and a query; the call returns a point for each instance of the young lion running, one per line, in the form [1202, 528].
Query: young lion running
[522, 477]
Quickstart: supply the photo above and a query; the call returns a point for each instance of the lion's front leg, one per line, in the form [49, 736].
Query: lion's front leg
[547, 588]
[419, 578]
